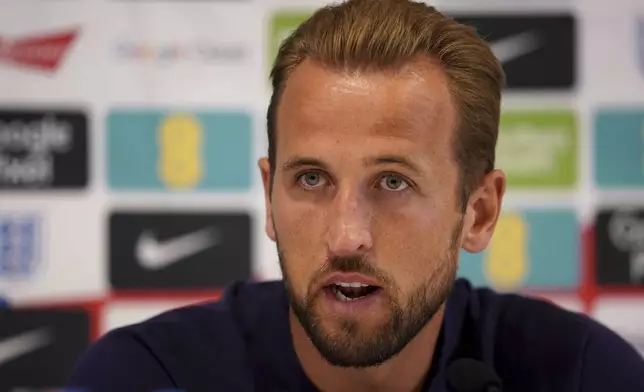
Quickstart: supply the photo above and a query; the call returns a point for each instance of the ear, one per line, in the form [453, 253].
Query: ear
[265, 169]
[483, 209]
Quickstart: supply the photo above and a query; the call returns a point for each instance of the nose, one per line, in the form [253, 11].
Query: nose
[349, 229]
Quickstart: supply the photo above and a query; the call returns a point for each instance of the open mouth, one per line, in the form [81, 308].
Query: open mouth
[352, 291]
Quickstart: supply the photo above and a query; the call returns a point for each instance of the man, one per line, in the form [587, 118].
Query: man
[382, 130]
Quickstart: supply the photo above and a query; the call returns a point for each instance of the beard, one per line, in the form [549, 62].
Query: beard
[350, 346]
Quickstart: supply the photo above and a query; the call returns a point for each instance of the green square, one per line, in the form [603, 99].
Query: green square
[538, 149]
[281, 24]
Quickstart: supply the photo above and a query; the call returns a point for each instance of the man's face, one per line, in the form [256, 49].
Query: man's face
[364, 207]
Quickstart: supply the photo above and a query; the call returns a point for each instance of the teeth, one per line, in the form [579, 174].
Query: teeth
[341, 296]
[350, 284]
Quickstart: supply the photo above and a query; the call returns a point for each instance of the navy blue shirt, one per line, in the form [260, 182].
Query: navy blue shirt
[242, 343]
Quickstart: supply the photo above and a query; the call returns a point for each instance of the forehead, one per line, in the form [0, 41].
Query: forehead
[408, 109]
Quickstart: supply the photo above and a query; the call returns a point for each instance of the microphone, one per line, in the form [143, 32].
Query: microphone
[470, 375]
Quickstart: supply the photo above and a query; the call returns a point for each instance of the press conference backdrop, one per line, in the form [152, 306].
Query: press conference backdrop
[130, 128]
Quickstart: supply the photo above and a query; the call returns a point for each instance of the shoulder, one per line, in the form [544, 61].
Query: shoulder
[119, 361]
[536, 339]
[610, 363]
[189, 346]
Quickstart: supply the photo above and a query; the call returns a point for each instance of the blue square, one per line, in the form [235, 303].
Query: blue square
[164, 150]
[535, 249]
[619, 148]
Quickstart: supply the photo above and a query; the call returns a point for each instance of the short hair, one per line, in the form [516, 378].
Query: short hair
[379, 35]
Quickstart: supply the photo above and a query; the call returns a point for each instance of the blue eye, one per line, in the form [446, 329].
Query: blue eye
[310, 179]
[393, 183]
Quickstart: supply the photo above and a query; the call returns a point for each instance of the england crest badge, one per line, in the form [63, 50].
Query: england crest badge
[20, 245]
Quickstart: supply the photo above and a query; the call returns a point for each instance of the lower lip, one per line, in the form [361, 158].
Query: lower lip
[351, 307]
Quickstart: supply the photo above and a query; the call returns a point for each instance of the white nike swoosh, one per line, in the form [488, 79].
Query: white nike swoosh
[515, 46]
[19, 345]
[155, 255]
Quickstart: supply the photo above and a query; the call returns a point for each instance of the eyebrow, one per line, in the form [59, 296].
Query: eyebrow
[297, 162]
[395, 159]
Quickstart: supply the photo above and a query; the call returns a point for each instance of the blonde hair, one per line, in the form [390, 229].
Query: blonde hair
[380, 35]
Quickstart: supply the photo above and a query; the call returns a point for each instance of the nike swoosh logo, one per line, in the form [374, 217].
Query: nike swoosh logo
[19, 345]
[156, 255]
[515, 46]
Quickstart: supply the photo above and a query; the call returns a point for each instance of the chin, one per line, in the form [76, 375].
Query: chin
[346, 327]
[360, 348]
[353, 341]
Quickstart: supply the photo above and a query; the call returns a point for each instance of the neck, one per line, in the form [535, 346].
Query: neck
[405, 372]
